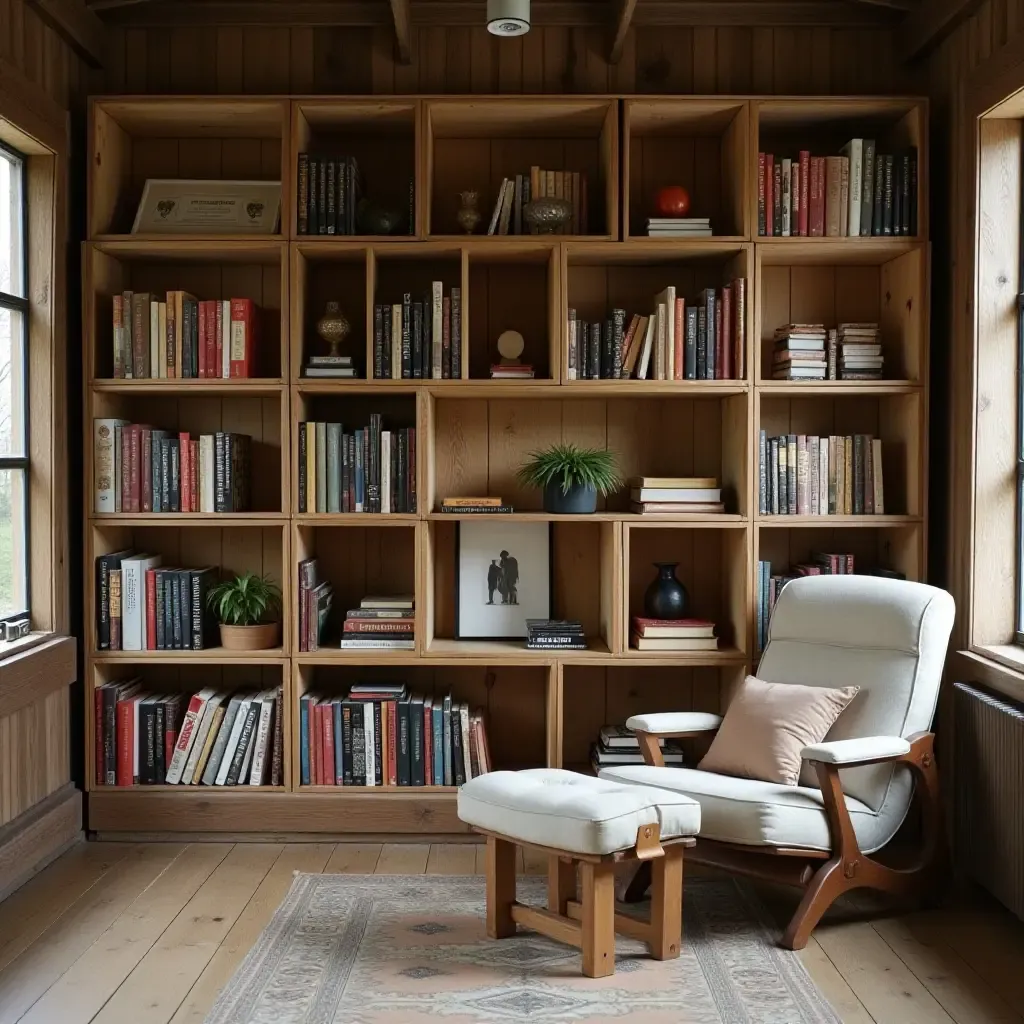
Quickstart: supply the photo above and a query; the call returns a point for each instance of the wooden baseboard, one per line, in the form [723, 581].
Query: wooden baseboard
[39, 836]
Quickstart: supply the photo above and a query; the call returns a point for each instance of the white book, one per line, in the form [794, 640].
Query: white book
[466, 755]
[371, 748]
[385, 471]
[787, 197]
[225, 336]
[244, 703]
[396, 342]
[154, 338]
[437, 325]
[106, 468]
[823, 477]
[645, 353]
[698, 494]
[206, 473]
[214, 760]
[187, 735]
[133, 600]
[201, 732]
[667, 298]
[262, 739]
[854, 150]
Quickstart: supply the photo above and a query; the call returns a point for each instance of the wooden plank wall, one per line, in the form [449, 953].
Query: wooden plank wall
[552, 59]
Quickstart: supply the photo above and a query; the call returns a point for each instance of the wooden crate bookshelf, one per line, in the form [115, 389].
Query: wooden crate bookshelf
[543, 708]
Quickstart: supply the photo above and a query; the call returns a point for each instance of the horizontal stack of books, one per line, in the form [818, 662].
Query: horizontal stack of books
[799, 352]
[140, 469]
[673, 635]
[703, 339]
[679, 227]
[808, 475]
[555, 635]
[617, 745]
[368, 470]
[181, 336]
[141, 606]
[860, 352]
[380, 735]
[333, 367]
[419, 340]
[381, 623]
[512, 371]
[516, 191]
[212, 738]
[658, 495]
[469, 506]
[861, 192]
[316, 597]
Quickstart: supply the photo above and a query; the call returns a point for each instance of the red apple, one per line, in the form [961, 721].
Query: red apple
[673, 201]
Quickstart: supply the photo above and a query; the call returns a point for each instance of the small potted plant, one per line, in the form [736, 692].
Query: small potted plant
[247, 608]
[571, 477]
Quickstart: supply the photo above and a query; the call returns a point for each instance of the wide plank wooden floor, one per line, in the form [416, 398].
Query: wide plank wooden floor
[149, 933]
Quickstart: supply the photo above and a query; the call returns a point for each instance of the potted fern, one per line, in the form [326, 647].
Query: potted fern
[248, 609]
[571, 477]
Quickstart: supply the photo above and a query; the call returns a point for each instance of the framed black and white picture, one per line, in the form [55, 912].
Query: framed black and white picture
[502, 577]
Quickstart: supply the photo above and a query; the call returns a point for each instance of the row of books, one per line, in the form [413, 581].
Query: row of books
[381, 623]
[316, 596]
[808, 475]
[679, 340]
[381, 735]
[212, 738]
[516, 191]
[138, 468]
[368, 470]
[555, 635]
[658, 495]
[419, 340]
[181, 336]
[861, 192]
[329, 194]
[673, 635]
[616, 746]
[142, 606]
[852, 351]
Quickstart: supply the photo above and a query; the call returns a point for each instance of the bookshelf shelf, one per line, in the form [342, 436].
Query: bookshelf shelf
[542, 707]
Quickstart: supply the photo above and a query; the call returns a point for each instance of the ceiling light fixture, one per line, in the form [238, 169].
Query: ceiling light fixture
[508, 17]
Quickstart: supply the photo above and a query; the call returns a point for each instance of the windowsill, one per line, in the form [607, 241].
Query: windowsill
[1001, 665]
[9, 648]
[32, 667]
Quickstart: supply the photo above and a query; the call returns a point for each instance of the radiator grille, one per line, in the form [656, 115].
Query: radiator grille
[989, 793]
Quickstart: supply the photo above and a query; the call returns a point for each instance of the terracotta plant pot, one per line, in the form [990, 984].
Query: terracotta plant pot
[250, 638]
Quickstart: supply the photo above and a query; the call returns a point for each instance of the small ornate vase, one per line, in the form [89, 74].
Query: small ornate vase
[468, 215]
[666, 597]
[546, 215]
[333, 327]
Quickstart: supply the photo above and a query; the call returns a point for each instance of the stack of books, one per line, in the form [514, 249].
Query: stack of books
[617, 745]
[511, 371]
[419, 340]
[329, 366]
[315, 599]
[214, 737]
[799, 352]
[381, 735]
[658, 495]
[555, 635]
[469, 506]
[679, 227]
[380, 623]
[673, 635]
[860, 352]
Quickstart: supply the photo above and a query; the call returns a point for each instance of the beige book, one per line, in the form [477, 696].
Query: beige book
[876, 468]
[396, 342]
[636, 345]
[833, 195]
[211, 737]
[848, 472]
[667, 301]
[659, 343]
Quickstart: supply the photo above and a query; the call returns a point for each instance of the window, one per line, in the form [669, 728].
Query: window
[14, 465]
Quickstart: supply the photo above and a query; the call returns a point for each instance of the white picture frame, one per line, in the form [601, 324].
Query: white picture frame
[177, 206]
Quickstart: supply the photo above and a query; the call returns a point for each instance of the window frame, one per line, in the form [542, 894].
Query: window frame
[22, 304]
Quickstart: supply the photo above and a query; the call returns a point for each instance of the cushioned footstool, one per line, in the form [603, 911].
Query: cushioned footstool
[592, 824]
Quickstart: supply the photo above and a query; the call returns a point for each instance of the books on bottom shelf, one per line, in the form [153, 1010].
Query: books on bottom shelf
[860, 351]
[673, 635]
[555, 635]
[658, 495]
[381, 735]
[380, 623]
[617, 745]
[215, 737]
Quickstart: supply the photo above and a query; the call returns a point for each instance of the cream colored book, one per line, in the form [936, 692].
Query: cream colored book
[876, 470]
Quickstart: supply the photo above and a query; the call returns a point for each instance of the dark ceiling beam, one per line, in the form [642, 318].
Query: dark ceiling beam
[76, 25]
[622, 22]
[400, 16]
[929, 22]
[896, 5]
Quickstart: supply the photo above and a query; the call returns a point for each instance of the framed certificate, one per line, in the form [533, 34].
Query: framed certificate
[181, 207]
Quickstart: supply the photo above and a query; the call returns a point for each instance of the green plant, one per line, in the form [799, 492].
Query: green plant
[246, 600]
[571, 466]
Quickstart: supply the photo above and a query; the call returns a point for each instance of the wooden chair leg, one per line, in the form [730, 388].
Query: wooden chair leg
[667, 904]
[561, 884]
[598, 924]
[501, 887]
[827, 885]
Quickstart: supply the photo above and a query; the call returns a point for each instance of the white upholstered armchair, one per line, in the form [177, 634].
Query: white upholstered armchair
[888, 637]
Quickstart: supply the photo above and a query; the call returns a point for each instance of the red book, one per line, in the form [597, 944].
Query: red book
[719, 339]
[392, 773]
[202, 337]
[218, 353]
[769, 194]
[805, 191]
[762, 209]
[151, 609]
[729, 334]
[428, 745]
[243, 341]
[184, 474]
[817, 228]
[100, 753]
[135, 482]
[327, 722]
[146, 469]
[212, 369]
[126, 741]
[678, 369]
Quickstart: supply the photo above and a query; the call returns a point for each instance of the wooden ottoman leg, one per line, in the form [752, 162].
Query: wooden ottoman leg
[501, 887]
[667, 904]
[598, 924]
[561, 884]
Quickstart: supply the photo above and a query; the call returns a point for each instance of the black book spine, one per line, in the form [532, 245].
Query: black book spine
[702, 342]
[160, 717]
[165, 475]
[402, 739]
[386, 344]
[373, 491]
[196, 589]
[219, 471]
[346, 742]
[110, 735]
[582, 350]
[379, 744]
[456, 334]
[877, 207]
[343, 456]
[595, 352]
[378, 341]
[186, 338]
[690, 349]
[176, 637]
[302, 467]
[150, 744]
[417, 340]
[888, 197]
[416, 768]
[341, 212]
[709, 296]
[458, 760]
[194, 338]
[905, 194]
[358, 745]
[103, 566]
[175, 476]
[321, 199]
[607, 355]
[332, 192]
[913, 193]
[161, 634]
[229, 471]
[312, 220]
[618, 331]
[427, 348]
[303, 199]
[244, 739]
[185, 608]
[407, 336]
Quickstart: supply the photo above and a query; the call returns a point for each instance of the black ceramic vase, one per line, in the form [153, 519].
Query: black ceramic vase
[666, 597]
[578, 500]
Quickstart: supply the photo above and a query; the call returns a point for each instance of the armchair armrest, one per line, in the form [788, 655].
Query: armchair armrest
[861, 751]
[682, 723]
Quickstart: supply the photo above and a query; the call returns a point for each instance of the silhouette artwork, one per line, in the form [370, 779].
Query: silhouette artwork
[510, 575]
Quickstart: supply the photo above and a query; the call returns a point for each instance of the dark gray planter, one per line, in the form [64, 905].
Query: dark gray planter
[579, 500]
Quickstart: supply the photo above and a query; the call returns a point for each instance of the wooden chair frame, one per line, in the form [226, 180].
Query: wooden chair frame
[845, 867]
[591, 922]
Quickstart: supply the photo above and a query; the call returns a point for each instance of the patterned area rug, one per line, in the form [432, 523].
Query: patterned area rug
[386, 949]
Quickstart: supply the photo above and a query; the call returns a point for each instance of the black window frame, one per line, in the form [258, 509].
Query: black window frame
[20, 303]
